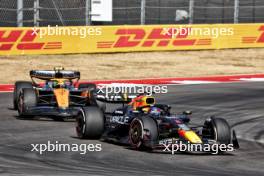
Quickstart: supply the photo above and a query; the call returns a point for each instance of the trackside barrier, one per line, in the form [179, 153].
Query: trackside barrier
[107, 39]
[167, 81]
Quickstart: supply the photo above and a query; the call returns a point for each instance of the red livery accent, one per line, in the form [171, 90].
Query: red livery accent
[138, 37]
[157, 81]
[23, 40]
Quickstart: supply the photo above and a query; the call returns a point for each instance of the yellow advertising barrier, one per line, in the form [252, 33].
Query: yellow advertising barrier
[101, 39]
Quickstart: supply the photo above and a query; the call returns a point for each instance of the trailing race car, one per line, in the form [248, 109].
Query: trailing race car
[57, 98]
[143, 124]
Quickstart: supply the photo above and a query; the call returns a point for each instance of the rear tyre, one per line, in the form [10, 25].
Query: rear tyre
[101, 105]
[90, 123]
[217, 129]
[27, 99]
[19, 85]
[92, 89]
[143, 133]
[89, 86]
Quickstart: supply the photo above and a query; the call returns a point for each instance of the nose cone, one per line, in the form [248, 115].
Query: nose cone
[192, 137]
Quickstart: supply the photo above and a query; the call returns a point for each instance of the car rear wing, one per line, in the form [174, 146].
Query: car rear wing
[52, 74]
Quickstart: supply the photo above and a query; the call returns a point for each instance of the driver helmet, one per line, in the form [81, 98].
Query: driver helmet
[143, 102]
[57, 83]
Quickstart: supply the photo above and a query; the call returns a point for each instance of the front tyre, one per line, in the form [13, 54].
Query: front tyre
[217, 129]
[90, 123]
[143, 133]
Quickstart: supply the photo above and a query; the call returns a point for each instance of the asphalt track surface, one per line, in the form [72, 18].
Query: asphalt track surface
[242, 104]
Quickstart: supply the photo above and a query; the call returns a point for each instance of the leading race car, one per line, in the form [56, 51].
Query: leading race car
[58, 97]
[144, 124]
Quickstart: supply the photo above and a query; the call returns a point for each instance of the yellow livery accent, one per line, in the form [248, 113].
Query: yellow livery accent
[62, 97]
[192, 137]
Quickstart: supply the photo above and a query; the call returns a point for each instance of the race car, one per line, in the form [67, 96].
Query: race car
[61, 95]
[144, 124]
